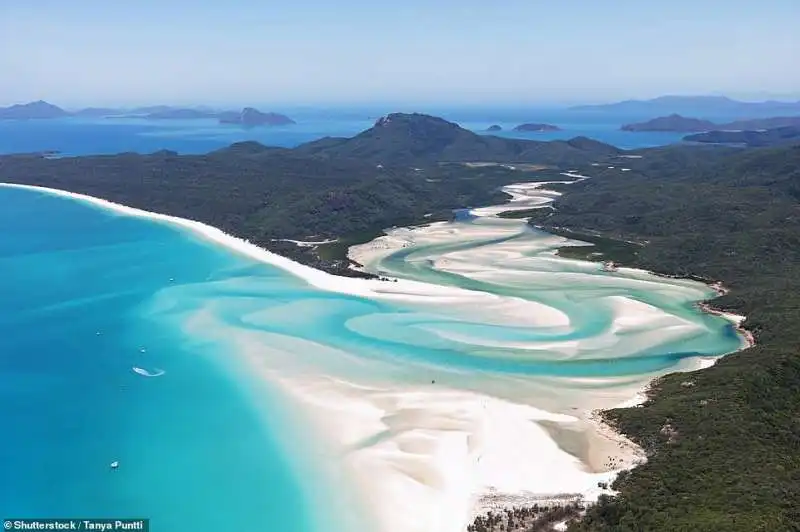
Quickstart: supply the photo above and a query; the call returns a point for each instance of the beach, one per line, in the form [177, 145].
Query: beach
[507, 413]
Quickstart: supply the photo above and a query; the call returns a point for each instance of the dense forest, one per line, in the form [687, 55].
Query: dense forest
[266, 194]
[732, 458]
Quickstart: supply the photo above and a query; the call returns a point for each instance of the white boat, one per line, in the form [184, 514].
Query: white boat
[114, 464]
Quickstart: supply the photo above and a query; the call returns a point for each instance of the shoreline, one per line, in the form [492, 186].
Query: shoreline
[406, 290]
[493, 501]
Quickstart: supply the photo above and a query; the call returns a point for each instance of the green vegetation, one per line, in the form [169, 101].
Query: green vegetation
[266, 194]
[723, 443]
[529, 519]
[417, 139]
[526, 213]
[269, 195]
[600, 248]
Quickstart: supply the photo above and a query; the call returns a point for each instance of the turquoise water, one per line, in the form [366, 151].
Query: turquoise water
[217, 442]
[194, 453]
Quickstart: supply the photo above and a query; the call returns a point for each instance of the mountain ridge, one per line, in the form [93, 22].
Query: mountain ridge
[405, 138]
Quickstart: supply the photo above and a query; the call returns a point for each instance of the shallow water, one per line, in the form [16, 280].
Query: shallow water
[284, 406]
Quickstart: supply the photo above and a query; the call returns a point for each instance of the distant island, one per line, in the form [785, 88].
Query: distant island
[673, 122]
[253, 117]
[680, 124]
[38, 110]
[494, 128]
[249, 116]
[693, 105]
[750, 138]
[537, 127]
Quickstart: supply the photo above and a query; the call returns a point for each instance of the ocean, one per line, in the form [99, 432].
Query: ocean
[82, 136]
[241, 392]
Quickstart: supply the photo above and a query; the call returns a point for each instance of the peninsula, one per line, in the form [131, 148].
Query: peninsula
[752, 138]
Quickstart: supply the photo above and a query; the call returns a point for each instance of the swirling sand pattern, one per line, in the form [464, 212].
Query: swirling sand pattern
[482, 379]
[475, 373]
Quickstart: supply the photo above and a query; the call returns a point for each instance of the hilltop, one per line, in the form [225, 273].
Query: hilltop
[34, 110]
[401, 138]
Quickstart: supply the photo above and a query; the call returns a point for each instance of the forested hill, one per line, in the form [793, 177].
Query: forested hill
[730, 460]
[418, 139]
[268, 194]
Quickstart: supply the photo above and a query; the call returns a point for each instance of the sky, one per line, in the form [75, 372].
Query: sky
[314, 52]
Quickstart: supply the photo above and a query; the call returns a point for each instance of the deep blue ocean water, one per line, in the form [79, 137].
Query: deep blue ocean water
[78, 136]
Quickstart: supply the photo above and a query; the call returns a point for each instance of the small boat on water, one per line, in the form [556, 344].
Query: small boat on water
[114, 464]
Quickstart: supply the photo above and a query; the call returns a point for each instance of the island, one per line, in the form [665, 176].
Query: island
[251, 117]
[37, 110]
[673, 122]
[682, 124]
[494, 128]
[247, 117]
[536, 127]
[691, 105]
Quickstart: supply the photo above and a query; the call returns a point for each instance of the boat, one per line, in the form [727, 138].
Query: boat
[114, 464]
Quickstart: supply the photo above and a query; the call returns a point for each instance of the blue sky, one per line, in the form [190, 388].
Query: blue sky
[81, 52]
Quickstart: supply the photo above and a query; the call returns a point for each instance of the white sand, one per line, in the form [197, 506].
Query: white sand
[427, 458]
[306, 243]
